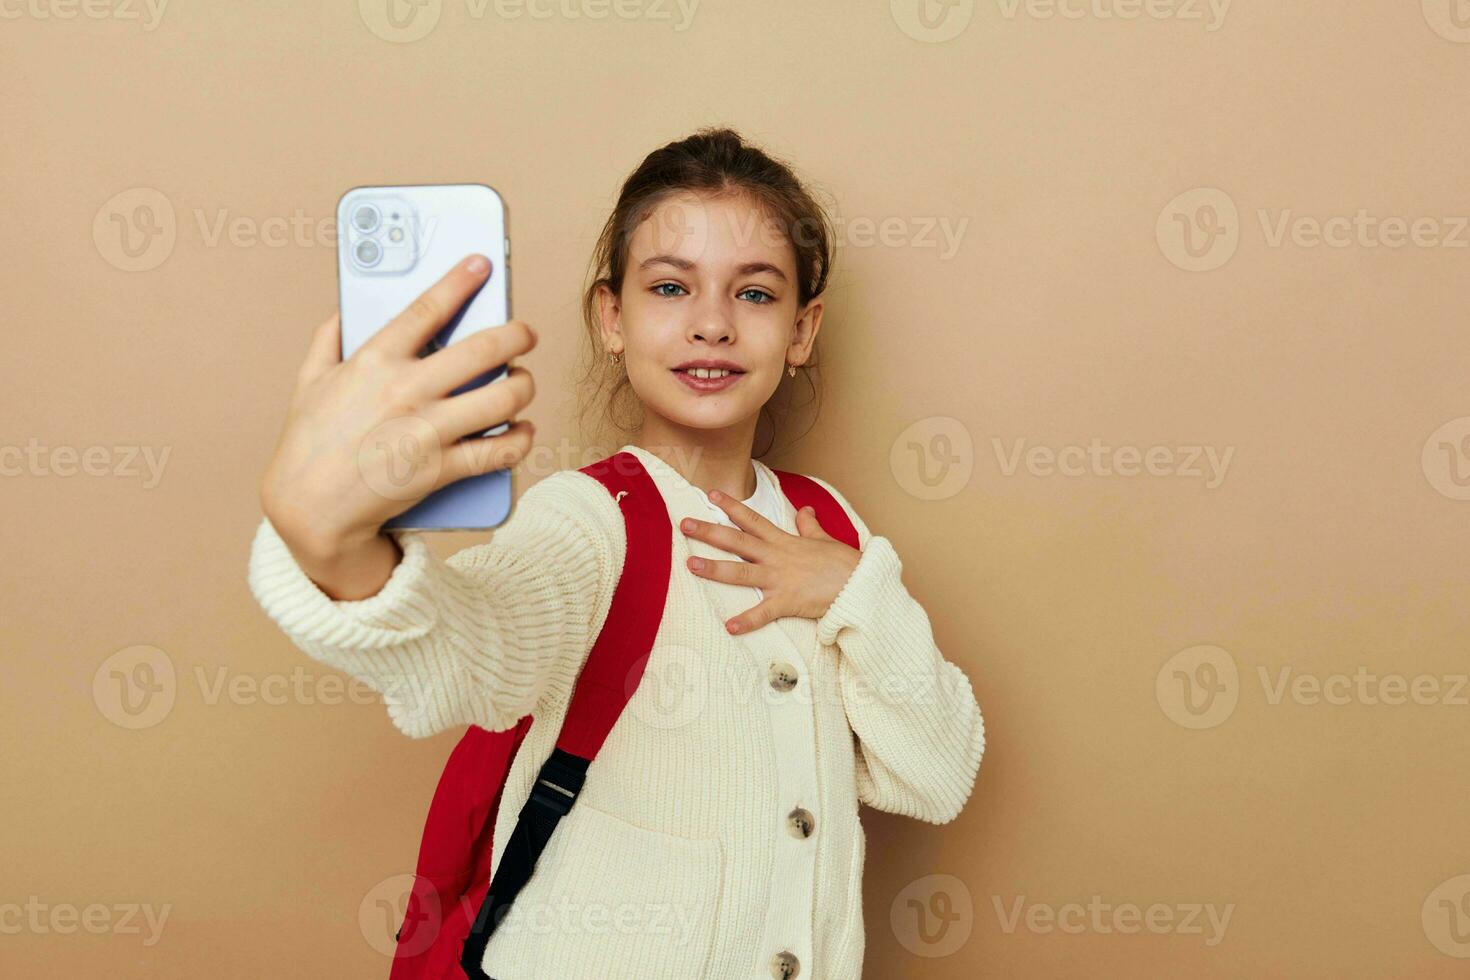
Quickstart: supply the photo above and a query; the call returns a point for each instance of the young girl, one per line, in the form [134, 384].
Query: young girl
[717, 833]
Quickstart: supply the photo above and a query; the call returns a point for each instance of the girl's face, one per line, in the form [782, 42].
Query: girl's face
[708, 279]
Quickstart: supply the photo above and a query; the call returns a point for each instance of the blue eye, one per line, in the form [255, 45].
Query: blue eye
[765, 297]
[658, 290]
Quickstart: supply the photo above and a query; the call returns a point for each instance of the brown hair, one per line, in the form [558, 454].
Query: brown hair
[713, 162]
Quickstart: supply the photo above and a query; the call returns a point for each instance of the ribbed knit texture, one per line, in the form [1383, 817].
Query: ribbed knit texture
[676, 861]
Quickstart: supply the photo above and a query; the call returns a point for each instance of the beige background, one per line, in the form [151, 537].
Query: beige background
[1334, 376]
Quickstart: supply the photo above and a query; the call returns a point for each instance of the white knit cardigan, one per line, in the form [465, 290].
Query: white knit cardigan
[682, 858]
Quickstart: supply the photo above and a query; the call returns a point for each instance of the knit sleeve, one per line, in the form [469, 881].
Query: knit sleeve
[919, 728]
[480, 638]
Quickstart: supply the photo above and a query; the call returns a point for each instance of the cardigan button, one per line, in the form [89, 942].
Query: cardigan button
[800, 823]
[782, 675]
[785, 965]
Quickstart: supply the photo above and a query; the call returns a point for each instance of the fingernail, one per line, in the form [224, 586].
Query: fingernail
[477, 265]
[733, 627]
[714, 495]
[696, 563]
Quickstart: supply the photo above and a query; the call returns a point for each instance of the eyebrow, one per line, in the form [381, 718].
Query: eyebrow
[749, 268]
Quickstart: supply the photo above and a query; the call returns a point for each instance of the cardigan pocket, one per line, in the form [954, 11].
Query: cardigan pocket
[617, 900]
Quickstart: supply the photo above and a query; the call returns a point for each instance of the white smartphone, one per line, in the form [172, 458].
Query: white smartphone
[393, 243]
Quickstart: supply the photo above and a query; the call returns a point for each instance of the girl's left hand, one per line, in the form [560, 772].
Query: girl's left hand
[799, 574]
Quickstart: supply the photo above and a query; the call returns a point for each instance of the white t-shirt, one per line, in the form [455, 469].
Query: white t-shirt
[766, 501]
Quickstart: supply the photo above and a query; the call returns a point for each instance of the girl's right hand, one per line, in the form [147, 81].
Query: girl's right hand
[337, 474]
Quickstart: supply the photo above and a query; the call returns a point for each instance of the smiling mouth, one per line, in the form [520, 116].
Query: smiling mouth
[703, 380]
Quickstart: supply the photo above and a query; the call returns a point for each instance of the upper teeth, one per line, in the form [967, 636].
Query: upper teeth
[699, 372]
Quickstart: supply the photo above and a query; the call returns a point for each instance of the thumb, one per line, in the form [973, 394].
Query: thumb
[808, 525]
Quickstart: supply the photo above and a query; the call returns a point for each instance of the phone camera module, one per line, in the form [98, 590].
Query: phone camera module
[366, 218]
[368, 252]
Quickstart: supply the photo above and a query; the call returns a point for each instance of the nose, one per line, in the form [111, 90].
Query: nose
[712, 321]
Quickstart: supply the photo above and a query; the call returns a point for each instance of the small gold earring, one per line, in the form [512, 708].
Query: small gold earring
[612, 357]
[791, 369]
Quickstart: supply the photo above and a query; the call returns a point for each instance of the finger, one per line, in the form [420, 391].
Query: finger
[808, 525]
[479, 408]
[733, 572]
[730, 539]
[325, 350]
[753, 618]
[465, 360]
[471, 457]
[406, 334]
[747, 518]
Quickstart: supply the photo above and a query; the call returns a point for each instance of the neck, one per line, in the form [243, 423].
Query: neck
[708, 460]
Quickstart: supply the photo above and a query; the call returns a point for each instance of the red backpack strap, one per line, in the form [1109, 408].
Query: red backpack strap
[607, 681]
[803, 491]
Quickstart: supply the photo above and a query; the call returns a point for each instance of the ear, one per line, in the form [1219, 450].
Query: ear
[804, 333]
[610, 313]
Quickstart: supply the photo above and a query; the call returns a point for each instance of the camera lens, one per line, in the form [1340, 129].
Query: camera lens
[366, 217]
[368, 252]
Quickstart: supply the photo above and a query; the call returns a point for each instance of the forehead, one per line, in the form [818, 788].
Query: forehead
[731, 229]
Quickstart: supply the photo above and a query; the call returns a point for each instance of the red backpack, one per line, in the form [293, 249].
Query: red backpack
[454, 906]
